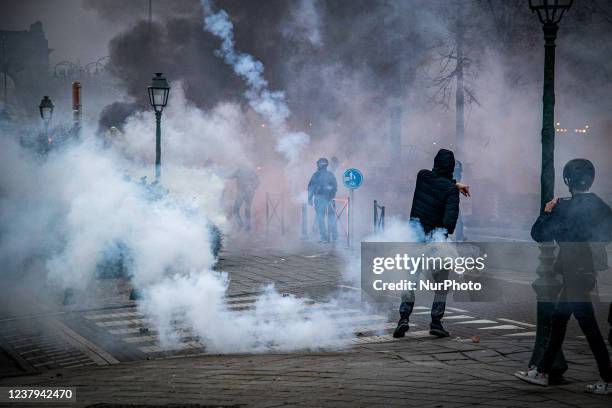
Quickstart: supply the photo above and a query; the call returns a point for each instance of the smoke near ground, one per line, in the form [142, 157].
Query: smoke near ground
[93, 206]
[273, 86]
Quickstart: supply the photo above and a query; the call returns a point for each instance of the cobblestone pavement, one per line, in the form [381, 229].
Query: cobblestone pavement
[108, 352]
[408, 372]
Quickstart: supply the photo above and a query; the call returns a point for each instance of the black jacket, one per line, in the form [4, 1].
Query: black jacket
[322, 185]
[577, 224]
[436, 198]
[582, 218]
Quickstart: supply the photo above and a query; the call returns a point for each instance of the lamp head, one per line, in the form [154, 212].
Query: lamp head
[46, 108]
[550, 11]
[158, 92]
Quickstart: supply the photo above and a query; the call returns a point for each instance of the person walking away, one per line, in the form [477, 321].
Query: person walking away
[322, 189]
[247, 182]
[574, 223]
[435, 205]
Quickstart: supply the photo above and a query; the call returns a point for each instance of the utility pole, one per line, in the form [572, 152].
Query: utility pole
[547, 286]
[459, 93]
[459, 107]
[150, 15]
[4, 69]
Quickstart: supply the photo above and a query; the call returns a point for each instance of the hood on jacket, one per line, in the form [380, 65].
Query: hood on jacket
[444, 163]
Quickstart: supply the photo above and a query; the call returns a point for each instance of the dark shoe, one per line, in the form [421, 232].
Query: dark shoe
[437, 330]
[401, 329]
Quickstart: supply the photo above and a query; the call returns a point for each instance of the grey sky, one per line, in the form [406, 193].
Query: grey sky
[75, 32]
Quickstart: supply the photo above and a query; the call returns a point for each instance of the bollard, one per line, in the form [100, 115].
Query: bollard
[375, 216]
[304, 221]
[267, 213]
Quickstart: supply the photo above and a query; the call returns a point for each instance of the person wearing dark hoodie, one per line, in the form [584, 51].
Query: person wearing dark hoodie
[580, 225]
[436, 206]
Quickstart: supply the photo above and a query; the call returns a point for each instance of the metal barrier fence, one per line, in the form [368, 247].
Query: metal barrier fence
[341, 209]
[275, 211]
[379, 217]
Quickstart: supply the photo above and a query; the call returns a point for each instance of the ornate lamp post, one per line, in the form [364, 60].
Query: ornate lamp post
[158, 97]
[46, 113]
[546, 286]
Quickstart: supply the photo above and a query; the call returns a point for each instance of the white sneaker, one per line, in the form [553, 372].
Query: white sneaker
[600, 387]
[532, 376]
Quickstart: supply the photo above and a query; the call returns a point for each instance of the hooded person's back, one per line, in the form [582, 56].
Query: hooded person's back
[436, 197]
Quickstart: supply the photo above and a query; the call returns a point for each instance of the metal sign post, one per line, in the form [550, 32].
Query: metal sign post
[353, 179]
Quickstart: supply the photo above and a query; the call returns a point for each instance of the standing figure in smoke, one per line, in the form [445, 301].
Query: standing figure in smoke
[247, 182]
[580, 225]
[435, 205]
[322, 188]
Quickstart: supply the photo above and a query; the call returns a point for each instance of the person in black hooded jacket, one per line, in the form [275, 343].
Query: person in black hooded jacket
[436, 206]
[436, 195]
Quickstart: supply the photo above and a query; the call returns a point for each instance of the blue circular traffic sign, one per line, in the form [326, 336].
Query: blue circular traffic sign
[352, 178]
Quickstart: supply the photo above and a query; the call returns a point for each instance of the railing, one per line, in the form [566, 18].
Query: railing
[379, 217]
[275, 212]
[342, 208]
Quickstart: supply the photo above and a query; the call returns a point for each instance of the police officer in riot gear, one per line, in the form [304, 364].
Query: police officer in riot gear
[321, 192]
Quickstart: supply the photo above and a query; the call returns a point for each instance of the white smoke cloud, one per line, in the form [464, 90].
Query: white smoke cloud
[291, 144]
[397, 230]
[272, 105]
[305, 23]
[84, 201]
[190, 136]
[282, 323]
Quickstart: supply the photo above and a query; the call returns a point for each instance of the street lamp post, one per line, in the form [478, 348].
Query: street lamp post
[46, 113]
[158, 97]
[547, 286]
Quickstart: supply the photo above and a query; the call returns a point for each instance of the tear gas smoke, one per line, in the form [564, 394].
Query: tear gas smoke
[270, 104]
[83, 199]
[397, 230]
[282, 323]
[342, 66]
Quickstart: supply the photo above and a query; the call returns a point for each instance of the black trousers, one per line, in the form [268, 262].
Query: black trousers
[439, 304]
[584, 313]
